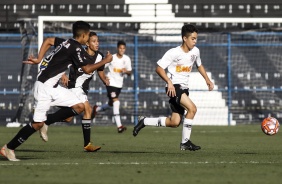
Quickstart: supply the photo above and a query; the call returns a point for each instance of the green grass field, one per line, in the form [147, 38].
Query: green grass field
[241, 154]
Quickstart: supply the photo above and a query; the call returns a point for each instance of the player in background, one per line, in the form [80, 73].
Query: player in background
[118, 68]
[47, 90]
[78, 83]
[179, 62]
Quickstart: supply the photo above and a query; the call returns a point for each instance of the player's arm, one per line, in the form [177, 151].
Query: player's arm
[103, 77]
[203, 72]
[65, 80]
[127, 72]
[92, 67]
[170, 88]
[48, 42]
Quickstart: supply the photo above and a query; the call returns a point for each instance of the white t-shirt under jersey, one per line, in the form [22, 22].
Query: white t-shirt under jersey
[115, 70]
[179, 64]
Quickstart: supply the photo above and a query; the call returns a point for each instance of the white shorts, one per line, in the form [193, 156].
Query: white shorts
[46, 96]
[80, 94]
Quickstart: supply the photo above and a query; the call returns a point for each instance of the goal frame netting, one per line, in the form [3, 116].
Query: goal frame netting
[156, 20]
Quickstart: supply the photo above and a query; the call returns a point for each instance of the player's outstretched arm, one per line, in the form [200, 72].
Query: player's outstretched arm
[203, 72]
[92, 67]
[104, 78]
[48, 42]
[170, 88]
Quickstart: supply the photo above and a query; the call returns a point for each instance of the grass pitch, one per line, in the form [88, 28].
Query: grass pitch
[240, 154]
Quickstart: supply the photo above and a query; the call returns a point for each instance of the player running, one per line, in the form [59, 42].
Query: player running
[78, 83]
[47, 90]
[118, 68]
[179, 62]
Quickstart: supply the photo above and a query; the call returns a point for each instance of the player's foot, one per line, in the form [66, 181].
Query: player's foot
[189, 146]
[8, 153]
[94, 111]
[43, 132]
[91, 148]
[139, 125]
[121, 129]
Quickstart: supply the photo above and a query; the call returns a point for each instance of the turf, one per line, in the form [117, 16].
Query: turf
[240, 154]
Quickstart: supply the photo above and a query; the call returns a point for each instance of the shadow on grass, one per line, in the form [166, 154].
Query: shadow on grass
[246, 153]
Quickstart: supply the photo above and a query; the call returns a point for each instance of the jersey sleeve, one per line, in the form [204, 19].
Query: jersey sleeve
[78, 56]
[128, 64]
[167, 59]
[58, 41]
[198, 59]
[101, 57]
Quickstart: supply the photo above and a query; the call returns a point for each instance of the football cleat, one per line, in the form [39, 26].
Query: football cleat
[189, 146]
[121, 129]
[91, 148]
[8, 153]
[139, 125]
[43, 132]
[94, 111]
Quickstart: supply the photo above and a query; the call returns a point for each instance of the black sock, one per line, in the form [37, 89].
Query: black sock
[60, 115]
[86, 129]
[21, 136]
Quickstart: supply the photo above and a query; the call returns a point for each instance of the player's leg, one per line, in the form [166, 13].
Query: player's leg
[191, 109]
[173, 121]
[86, 129]
[105, 106]
[70, 105]
[42, 104]
[116, 113]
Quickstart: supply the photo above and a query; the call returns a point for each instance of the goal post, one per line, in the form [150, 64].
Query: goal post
[243, 63]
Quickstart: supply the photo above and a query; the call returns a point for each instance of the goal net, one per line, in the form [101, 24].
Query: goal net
[241, 55]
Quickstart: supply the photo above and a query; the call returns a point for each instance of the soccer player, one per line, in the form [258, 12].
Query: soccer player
[78, 83]
[118, 68]
[47, 90]
[179, 62]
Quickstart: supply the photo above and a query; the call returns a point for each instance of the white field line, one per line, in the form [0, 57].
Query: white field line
[132, 163]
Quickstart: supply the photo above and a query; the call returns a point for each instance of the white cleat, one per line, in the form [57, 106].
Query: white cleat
[43, 133]
[8, 153]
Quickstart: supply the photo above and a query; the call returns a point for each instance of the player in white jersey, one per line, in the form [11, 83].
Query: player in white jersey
[179, 62]
[118, 68]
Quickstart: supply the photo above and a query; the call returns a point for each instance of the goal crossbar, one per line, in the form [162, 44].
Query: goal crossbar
[41, 20]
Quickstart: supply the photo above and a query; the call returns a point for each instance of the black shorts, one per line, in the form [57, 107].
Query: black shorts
[175, 101]
[113, 92]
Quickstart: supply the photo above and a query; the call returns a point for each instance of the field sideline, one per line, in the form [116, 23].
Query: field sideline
[240, 154]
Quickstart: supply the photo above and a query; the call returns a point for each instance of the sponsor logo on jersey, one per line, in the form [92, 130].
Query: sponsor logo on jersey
[180, 68]
[117, 70]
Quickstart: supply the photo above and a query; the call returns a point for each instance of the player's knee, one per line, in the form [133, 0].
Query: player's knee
[175, 123]
[192, 110]
[37, 125]
[79, 108]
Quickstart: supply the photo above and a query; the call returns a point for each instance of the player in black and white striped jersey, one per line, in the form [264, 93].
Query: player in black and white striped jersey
[47, 92]
[78, 82]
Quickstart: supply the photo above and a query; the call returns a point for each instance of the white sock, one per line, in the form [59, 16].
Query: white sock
[116, 105]
[160, 121]
[186, 131]
[103, 107]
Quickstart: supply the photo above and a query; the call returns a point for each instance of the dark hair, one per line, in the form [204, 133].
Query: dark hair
[121, 42]
[92, 33]
[80, 27]
[188, 29]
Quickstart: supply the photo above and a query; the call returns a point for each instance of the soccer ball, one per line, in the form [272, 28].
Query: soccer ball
[270, 126]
